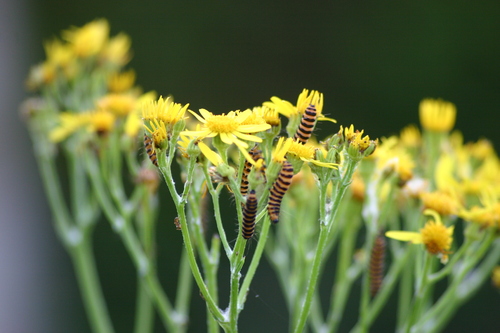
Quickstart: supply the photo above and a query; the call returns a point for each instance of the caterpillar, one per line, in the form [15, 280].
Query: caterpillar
[256, 155]
[249, 212]
[306, 125]
[280, 186]
[377, 259]
[150, 149]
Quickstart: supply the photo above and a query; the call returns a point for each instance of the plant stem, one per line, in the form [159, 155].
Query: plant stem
[181, 214]
[86, 273]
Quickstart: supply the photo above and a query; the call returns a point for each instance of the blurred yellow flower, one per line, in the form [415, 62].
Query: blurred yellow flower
[437, 115]
[88, 40]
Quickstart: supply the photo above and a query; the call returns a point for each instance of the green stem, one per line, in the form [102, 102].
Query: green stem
[326, 221]
[181, 214]
[62, 219]
[452, 298]
[343, 281]
[79, 249]
[86, 273]
[405, 293]
[214, 193]
[459, 293]
[133, 246]
[211, 278]
[420, 293]
[185, 285]
[144, 313]
[144, 319]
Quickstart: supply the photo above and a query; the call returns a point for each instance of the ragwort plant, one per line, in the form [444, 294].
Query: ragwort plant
[302, 201]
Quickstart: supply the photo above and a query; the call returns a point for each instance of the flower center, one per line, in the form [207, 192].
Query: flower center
[222, 124]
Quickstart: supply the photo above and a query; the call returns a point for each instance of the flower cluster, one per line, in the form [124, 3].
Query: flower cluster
[301, 199]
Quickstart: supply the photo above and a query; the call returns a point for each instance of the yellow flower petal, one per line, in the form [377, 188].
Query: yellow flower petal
[212, 156]
[405, 236]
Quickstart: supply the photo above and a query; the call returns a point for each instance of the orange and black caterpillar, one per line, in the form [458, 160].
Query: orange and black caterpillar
[306, 125]
[256, 155]
[377, 260]
[249, 212]
[150, 149]
[278, 190]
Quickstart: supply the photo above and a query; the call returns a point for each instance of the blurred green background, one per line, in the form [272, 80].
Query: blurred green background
[374, 62]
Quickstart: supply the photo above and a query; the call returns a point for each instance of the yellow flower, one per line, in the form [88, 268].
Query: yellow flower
[281, 149]
[183, 144]
[442, 202]
[437, 115]
[306, 152]
[117, 50]
[410, 136]
[229, 128]
[158, 132]
[68, 124]
[255, 118]
[436, 237]
[165, 110]
[356, 141]
[481, 149]
[58, 54]
[305, 99]
[281, 106]
[101, 122]
[88, 40]
[120, 82]
[391, 157]
[486, 216]
[119, 104]
[269, 115]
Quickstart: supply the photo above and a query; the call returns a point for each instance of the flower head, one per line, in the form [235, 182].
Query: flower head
[304, 99]
[117, 50]
[411, 137]
[307, 153]
[119, 104]
[229, 128]
[120, 82]
[269, 115]
[101, 122]
[281, 149]
[69, 123]
[436, 237]
[158, 132]
[443, 202]
[356, 143]
[437, 115]
[88, 40]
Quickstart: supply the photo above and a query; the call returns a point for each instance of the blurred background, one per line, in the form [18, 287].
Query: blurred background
[374, 63]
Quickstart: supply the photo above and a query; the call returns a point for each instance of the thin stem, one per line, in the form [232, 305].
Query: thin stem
[62, 219]
[93, 299]
[144, 309]
[420, 293]
[326, 221]
[214, 193]
[343, 281]
[181, 214]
